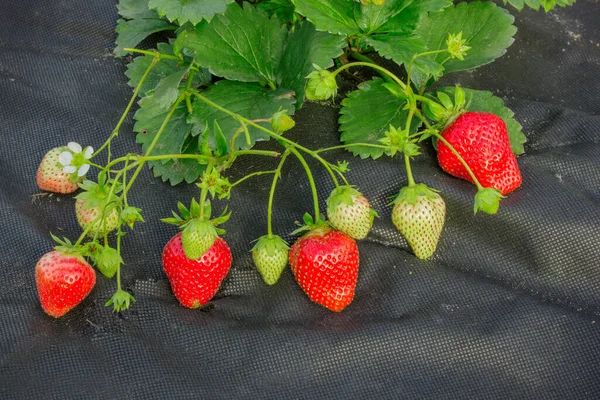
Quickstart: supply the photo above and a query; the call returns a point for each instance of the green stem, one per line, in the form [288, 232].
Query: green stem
[424, 99]
[462, 160]
[153, 53]
[269, 132]
[115, 131]
[346, 146]
[412, 60]
[119, 233]
[361, 57]
[409, 175]
[253, 174]
[452, 149]
[311, 181]
[204, 191]
[272, 193]
[188, 85]
[375, 67]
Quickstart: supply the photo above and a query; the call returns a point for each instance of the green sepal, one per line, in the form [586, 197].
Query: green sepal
[281, 121]
[222, 147]
[96, 193]
[197, 237]
[410, 194]
[271, 244]
[106, 259]
[311, 225]
[121, 300]
[131, 215]
[445, 100]
[487, 200]
[321, 84]
[342, 195]
[66, 247]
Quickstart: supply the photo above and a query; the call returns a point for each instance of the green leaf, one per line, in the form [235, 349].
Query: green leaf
[284, 9]
[176, 138]
[162, 69]
[305, 47]
[250, 100]
[167, 90]
[487, 28]
[536, 4]
[478, 100]
[192, 11]
[242, 44]
[135, 9]
[221, 146]
[349, 17]
[401, 49]
[130, 33]
[367, 114]
[334, 16]
[406, 20]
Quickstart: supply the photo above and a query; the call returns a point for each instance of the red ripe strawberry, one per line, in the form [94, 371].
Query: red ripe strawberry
[325, 265]
[50, 174]
[195, 282]
[63, 281]
[482, 140]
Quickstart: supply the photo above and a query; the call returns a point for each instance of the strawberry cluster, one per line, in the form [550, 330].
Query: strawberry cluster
[324, 260]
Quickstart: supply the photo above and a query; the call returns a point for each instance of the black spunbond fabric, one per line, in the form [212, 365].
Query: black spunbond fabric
[508, 308]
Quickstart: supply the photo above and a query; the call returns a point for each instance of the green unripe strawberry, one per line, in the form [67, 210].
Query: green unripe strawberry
[349, 212]
[197, 237]
[88, 217]
[270, 255]
[282, 122]
[321, 85]
[419, 214]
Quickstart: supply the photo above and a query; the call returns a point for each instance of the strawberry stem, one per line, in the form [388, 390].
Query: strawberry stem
[272, 192]
[115, 131]
[253, 174]
[152, 53]
[375, 67]
[311, 180]
[204, 191]
[412, 60]
[238, 117]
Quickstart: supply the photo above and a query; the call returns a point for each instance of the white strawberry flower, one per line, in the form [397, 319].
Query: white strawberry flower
[75, 159]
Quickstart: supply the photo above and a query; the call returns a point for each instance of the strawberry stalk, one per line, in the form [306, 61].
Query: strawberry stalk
[272, 192]
[115, 131]
[452, 149]
[204, 190]
[154, 53]
[274, 135]
[311, 181]
[375, 67]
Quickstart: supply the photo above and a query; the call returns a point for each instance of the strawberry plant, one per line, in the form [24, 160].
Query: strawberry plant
[223, 75]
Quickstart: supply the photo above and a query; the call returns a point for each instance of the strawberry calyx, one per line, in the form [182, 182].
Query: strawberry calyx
[96, 194]
[67, 248]
[342, 195]
[199, 232]
[445, 110]
[271, 244]
[281, 121]
[410, 194]
[312, 227]
[487, 200]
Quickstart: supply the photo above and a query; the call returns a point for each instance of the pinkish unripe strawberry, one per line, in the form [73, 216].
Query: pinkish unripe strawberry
[270, 255]
[419, 214]
[50, 175]
[349, 212]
